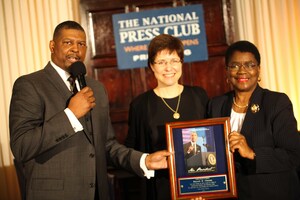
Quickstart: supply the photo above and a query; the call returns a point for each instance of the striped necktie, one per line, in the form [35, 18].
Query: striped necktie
[73, 87]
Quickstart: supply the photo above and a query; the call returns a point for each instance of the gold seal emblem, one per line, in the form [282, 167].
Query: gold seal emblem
[211, 159]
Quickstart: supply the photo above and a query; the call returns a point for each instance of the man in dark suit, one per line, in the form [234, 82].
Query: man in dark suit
[192, 149]
[63, 141]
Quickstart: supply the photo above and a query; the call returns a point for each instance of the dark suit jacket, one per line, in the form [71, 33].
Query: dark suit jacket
[272, 134]
[186, 146]
[57, 162]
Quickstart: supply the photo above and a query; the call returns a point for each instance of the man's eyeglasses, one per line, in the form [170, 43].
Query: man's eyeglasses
[237, 66]
[173, 62]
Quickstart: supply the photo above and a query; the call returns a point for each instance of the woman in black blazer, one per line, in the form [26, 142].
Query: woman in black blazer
[264, 137]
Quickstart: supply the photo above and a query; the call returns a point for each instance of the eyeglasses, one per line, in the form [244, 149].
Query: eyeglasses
[237, 66]
[173, 62]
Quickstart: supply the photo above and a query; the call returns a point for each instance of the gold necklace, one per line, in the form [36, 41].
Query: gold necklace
[176, 115]
[239, 105]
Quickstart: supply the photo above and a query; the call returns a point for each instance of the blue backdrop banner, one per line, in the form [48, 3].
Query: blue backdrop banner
[133, 32]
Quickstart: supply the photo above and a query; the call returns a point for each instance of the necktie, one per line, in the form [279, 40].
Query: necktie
[72, 85]
[195, 150]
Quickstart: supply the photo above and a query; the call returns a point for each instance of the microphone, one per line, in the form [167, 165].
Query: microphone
[77, 70]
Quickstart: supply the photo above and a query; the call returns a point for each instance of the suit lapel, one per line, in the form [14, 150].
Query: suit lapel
[226, 109]
[57, 82]
[248, 128]
[87, 126]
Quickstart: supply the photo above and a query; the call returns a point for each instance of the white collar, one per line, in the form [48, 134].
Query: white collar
[62, 73]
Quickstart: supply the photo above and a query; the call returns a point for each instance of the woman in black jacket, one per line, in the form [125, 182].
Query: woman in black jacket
[264, 137]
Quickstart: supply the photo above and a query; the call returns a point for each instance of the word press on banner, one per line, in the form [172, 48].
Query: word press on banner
[133, 31]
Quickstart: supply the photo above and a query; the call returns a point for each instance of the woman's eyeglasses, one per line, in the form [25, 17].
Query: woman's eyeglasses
[162, 63]
[237, 66]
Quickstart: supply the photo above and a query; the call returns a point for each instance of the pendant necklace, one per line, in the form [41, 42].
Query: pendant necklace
[176, 115]
[245, 106]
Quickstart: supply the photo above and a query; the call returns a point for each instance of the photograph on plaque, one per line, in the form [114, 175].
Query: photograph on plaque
[201, 164]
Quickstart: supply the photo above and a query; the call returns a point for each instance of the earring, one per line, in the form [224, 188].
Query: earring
[259, 79]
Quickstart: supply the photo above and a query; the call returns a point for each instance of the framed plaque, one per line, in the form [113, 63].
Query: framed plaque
[201, 164]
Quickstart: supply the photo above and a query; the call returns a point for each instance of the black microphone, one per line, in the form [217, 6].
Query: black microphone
[77, 70]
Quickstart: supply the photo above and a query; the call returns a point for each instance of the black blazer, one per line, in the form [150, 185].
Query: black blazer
[272, 133]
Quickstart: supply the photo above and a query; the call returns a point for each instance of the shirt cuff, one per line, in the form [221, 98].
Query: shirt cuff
[147, 173]
[73, 120]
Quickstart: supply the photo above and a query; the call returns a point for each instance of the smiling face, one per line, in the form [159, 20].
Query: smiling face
[167, 68]
[243, 79]
[68, 47]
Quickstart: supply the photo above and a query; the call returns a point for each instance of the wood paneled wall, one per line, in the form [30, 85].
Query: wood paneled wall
[124, 85]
